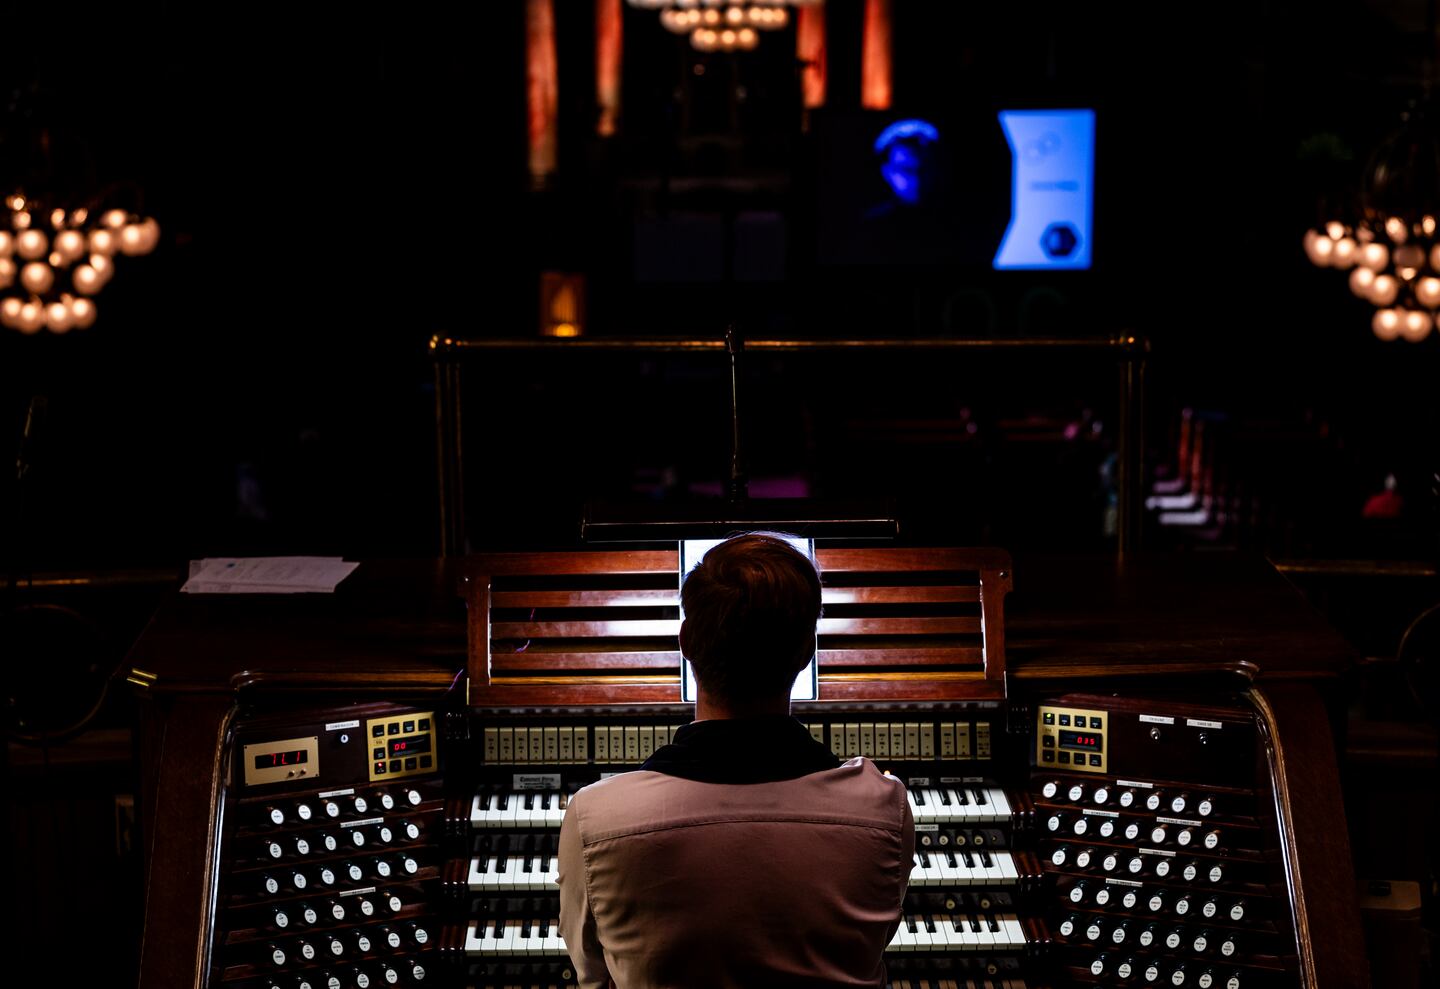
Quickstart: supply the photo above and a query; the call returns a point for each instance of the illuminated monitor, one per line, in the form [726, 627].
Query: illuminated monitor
[976, 188]
[807, 684]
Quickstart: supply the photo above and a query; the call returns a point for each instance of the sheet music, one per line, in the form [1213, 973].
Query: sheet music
[267, 575]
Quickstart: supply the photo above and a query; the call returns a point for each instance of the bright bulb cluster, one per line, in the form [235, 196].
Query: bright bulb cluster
[722, 25]
[1394, 266]
[58, 260]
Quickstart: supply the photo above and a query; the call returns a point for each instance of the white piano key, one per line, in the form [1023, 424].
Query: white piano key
[554, 813]
[553, 943]
[1002, 803]
[1014, 933]
[924, 940]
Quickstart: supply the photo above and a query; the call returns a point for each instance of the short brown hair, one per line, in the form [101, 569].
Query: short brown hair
[751, 605]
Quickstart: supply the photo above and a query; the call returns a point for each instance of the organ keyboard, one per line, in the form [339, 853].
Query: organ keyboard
[1138, 835]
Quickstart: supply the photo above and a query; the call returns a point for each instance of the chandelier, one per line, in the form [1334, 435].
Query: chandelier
[1391, 248]
[723, 25]
[61, 260]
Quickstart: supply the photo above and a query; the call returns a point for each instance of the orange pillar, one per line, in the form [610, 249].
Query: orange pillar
[609, 19]
[542, 88]
[810, 50]
[875, 88]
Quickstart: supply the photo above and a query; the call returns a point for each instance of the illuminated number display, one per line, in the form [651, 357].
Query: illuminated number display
[274, 760]
[1091, 742]
[409, 746]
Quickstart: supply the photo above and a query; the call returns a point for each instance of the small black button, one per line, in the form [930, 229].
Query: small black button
[1064, 756]
[1079, 721]
[1094, 722]
[394, 727]
[379, 768]
[394, 765]
[377, 730]
[1047, 756]
[426, 762]
[1047, 740]
[379, 753]
[424, 724]
[409, 727]
[1049, 717]
[1094, 760]
[410, 763]
[1065, 720]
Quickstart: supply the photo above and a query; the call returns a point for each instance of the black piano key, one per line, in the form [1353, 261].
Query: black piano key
[945, 796]
[980, 796]
[986, 860]
[961, 797]
[919, 797]
[950, 859]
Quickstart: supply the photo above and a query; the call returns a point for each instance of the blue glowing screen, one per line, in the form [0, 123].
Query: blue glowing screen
[1052, 192]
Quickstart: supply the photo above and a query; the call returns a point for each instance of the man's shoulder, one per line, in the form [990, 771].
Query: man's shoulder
[853, 793]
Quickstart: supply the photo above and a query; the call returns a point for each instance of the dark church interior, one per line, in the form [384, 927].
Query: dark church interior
[372, 374]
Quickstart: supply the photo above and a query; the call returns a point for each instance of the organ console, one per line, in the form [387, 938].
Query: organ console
[1128, 780]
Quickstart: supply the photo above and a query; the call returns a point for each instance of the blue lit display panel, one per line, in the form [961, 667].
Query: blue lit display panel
[1052, 191]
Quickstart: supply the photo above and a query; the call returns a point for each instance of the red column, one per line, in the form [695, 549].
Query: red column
[875, 88]
[542, 87]
[810, 50]
[608, 46]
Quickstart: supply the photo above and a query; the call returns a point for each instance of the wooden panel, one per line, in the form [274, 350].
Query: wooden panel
[900, 595]
[608, 629]
[902, 613]
[628, 598]
[1315, 845]
[533, 659]
[670, 628]
[181, 838]
[943, 656]
[919, 560]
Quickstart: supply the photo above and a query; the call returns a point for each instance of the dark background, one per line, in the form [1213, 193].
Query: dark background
[336, 184]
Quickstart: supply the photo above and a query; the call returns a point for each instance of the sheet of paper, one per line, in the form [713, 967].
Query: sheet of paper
[267, 575]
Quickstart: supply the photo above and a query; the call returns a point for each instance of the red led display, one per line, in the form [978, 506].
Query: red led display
[272, 760]
[1081, 740]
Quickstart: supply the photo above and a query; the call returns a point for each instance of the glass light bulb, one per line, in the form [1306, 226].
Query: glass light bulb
[1386, 324]
[1319, 248]
[1360, 281]
[1335, 229]
[7, 243]
[82, 313]
[31, 244]
[1374, 256]
[1427, 291]
[1342, 255]
[115, 218]
[58, 318]
[1415, 325]
[86, 279]
[104, 241]
[31, 318]
[1396, 230]
[38, 277]
[69, 244]
[1384, 289]
[7, 272]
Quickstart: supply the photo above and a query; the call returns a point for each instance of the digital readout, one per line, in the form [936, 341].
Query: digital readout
[1088, 742]
[409, 746]
[270, 760]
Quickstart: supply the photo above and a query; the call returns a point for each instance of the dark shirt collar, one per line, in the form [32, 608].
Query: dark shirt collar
[742, 750]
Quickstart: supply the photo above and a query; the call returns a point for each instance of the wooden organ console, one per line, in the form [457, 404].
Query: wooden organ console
[1123, 775]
